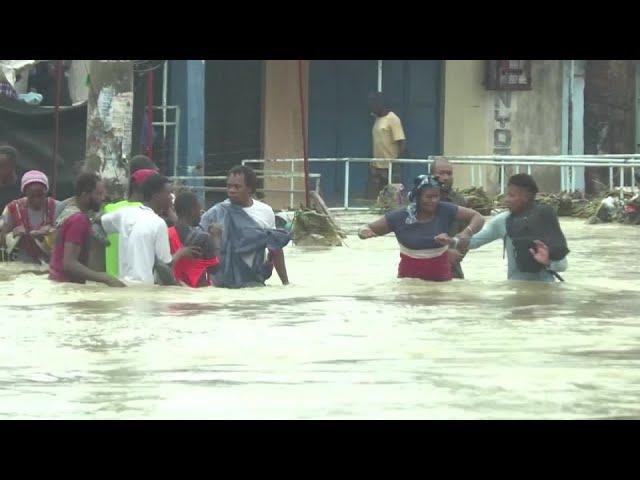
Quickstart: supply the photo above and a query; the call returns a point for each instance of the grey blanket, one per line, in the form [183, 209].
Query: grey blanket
[241, 235]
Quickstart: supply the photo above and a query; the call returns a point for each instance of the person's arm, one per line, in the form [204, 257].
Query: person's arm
[376, 229]
[75, 269]
[209, 218]
[559, 265]
[170, 216]
[492, 230]
[215, 232]
[7, 226]
[215, 238]
[163, 249]
[397, 133]
[111, 221]
[474, 221]
[541, 255]
[278, 262]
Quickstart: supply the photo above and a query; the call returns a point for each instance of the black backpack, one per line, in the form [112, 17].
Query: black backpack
[538, 223]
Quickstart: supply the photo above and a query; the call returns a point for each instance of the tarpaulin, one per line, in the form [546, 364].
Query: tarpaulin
[30, 129]
[8, 68]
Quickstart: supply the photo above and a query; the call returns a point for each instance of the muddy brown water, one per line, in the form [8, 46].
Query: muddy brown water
[346, 339]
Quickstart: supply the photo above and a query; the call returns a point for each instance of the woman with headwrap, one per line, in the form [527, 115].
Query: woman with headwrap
[30, 220]
[421, 230]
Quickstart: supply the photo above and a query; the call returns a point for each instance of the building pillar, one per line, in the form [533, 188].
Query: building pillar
[109, 120]
[186, 90]
[573, 114]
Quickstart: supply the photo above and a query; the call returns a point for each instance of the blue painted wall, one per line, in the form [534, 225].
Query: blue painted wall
[340, 123]
[412, 89]
[186, 89]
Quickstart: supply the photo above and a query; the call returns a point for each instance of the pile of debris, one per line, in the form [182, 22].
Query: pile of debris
[477, 199]
[316, 227]
[392, 196]
[612, 208]
[565, 204]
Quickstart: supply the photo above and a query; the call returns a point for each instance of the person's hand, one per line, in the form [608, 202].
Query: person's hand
[41, 232]
[171, 215]
[463, 242]
[19, 231]
[115, 283]
[215, 230]
[190, 252]
[365, 233]
[454, 256]
[443, 239]
[540, 253]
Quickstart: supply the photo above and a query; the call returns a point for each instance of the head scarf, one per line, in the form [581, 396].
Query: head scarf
[34, 176]
[420, 183]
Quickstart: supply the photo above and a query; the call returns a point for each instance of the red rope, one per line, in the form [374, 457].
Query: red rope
[304, 136]
[56, 138]
[148, 151]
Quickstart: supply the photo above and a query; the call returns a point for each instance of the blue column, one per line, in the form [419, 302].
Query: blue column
[187, 91]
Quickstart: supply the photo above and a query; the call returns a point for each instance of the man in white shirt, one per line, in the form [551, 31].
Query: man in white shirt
[388, 142]
[241, 184]
[144, 236]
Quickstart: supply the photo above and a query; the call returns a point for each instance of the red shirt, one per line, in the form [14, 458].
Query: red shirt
[77, 230]
[190, 270]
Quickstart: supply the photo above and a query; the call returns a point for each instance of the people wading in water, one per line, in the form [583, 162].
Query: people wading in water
[31, 219]
[70, 255]
[248, 232]
[443, 171]
[533, 241]
[194, 272]
[421, 230]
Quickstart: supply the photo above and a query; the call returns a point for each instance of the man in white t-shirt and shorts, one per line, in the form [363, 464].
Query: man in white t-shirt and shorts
[241, 185]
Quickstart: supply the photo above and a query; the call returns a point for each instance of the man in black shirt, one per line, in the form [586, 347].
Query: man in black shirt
[9, 181]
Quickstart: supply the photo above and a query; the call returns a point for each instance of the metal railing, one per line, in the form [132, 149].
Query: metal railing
[261, 175]
[176, 128]
[566, 163]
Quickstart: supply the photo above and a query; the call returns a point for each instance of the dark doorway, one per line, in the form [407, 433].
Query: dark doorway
[340, 122]
[609, 116]
[233, 115]
[412, 90]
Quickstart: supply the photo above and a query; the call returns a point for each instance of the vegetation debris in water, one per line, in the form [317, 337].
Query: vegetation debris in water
[392, 196]
[311, 228]
[477, 199]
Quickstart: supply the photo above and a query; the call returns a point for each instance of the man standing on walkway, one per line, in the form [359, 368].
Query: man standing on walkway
[388, 143]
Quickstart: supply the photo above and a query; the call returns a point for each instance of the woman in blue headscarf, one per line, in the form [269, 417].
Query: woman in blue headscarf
[421, 230]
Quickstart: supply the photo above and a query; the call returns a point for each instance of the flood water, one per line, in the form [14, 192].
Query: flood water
[347, 340]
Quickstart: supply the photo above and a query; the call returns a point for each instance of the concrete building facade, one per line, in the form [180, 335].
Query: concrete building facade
[254, 107]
